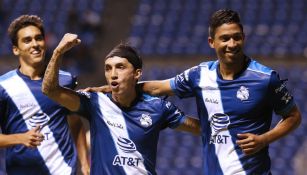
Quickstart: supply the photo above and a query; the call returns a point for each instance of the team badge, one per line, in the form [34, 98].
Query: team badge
[243, 93]
[146, 120]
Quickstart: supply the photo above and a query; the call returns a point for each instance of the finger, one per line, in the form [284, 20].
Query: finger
[247, 146]
[243, 141]
[37, 128]
[243, 136]
[88, 89]
[249, 151]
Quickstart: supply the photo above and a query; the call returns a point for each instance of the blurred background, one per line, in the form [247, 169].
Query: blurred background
[171, 35]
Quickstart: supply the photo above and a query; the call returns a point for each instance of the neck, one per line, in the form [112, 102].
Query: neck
[229, 71]
[124, 100]
[35, 73]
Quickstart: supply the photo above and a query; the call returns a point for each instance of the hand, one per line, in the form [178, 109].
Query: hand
[104, 89]
[68, 41]
[32, 138]
[251, 143]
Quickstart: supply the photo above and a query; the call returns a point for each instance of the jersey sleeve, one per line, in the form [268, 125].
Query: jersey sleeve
[281, 99]
[182, 84]
[84, 109]
[67, 80]
[174, 116]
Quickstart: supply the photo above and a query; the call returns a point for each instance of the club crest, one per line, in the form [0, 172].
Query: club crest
[243, 93]
[146, 120]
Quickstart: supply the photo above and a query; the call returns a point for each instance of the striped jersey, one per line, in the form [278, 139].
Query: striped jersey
[124, 140]
[24, 106]
[229, 107]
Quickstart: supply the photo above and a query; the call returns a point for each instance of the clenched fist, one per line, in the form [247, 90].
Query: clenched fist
[68, 41]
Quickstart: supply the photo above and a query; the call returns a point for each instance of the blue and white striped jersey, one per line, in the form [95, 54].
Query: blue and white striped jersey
[229, 107]
[24, 106]
[124, 140]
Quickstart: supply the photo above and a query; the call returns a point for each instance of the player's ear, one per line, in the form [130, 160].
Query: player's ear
[15, 50]
[211, 42]
[138, 73]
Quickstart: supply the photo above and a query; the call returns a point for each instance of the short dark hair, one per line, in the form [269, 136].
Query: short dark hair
[223, 16]
[126, 51]
[22, 22]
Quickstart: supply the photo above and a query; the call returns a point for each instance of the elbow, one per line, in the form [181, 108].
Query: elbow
[48, 90]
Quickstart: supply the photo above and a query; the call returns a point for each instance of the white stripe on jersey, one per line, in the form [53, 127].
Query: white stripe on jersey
[27, 105]
[225, 152]
[112, 114]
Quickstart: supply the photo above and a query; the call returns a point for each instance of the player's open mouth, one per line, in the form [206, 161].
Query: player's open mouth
[114, 84]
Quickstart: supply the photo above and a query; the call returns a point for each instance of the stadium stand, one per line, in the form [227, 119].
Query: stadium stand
[180, 26]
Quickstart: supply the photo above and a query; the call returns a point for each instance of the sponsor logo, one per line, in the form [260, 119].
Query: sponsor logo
[146, 120]
[168, 104]
[210, 88]
[219, 139]
[27, 105]
[214, 101]
[287, 97]
[86, 94]
[113, 124]
[280, 88]
[243, 93]
[39, 119]
[180, 77]
[126, 145]
[219, 122]
[124, 160]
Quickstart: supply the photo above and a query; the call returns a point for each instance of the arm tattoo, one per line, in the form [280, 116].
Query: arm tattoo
[51, 78]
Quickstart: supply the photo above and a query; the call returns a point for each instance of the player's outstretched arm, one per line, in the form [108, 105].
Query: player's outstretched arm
[157, 87]
[191, 125]
[251, 143]
[66, 97]
[31, 139]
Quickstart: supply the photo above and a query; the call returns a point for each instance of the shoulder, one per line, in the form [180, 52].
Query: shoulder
[67, 79]
[211, 65]
[257, 67]
[149, 98]
[156, 102]
[65, 74]
[8, 75]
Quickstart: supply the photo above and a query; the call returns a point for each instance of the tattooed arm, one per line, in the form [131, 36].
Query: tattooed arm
[64, 96]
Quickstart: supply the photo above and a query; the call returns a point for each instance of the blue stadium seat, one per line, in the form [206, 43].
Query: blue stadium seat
[264, 19]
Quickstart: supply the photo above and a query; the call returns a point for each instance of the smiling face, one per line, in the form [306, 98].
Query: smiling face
[228, 43]
[121, 76]
[30, 46]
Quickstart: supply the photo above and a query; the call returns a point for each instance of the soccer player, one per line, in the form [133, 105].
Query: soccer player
[125, 123]
[28, 118]
[235, 96]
